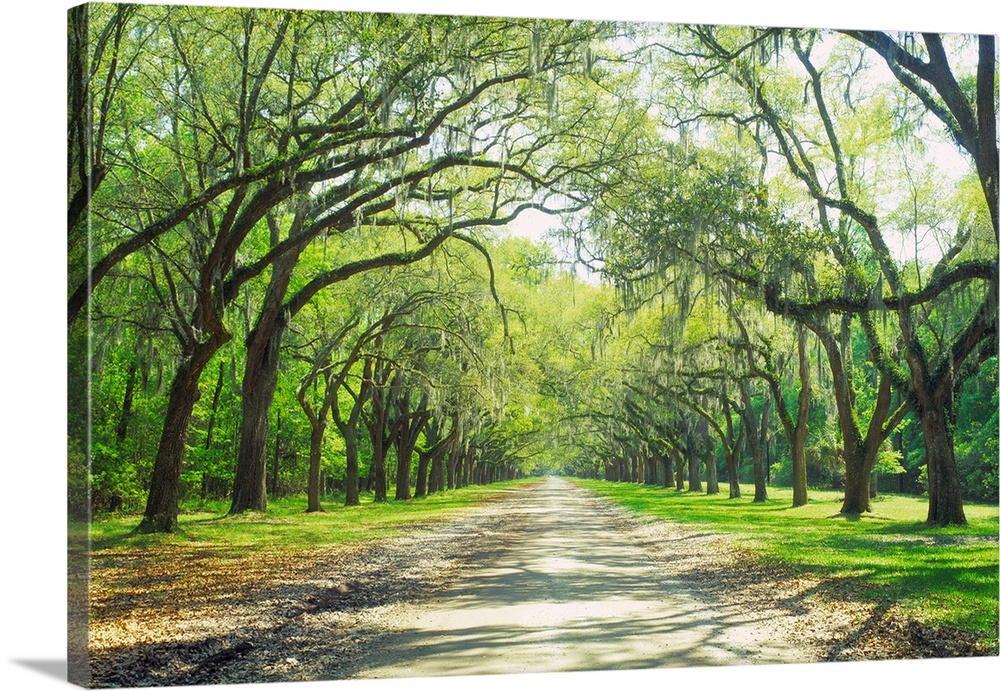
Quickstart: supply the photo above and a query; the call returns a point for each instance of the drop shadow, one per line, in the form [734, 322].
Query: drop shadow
[55, 668]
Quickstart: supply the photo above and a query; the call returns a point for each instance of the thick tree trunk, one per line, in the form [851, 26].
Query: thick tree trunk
[711, 474]
[315, 463]
[260, 378]
[753, 437]
[403, 465]
[649, 476]
[731, 444]
[423, 462]
[436, 481]
[759, 476]
[668, 470]
[860, 453]
[471, 462]
[733, 470]
[944, 490]
[800, 490]
[694, 473]
[164, 487]
[857, 498]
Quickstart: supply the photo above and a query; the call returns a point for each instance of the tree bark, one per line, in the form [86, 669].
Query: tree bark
[126, 413]
[423, 464]
[668, 470]
[711, 474]
[649, 476]
[164, 488]
[694, 473]
[351, 495]
[260, 378]
[315, 464]
[944, 490]
[753, 438]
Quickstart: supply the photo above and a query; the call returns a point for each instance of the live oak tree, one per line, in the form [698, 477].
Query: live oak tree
[269, 145]
[727, 62]
[936, 361]
[476, 171]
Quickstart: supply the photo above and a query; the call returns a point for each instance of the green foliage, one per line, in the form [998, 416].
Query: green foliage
[78, 482]
[616, 339]
[976, 436]
[888, 462]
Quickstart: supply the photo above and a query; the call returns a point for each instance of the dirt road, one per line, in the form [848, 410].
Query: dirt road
[568, 589]
[547, 577]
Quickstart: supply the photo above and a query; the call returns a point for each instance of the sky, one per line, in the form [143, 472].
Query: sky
[34, 342]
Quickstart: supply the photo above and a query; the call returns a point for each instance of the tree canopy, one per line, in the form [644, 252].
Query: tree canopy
[763, 254]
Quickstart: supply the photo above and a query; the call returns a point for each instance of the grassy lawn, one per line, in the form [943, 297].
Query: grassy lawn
[286, 526]
[940, 576]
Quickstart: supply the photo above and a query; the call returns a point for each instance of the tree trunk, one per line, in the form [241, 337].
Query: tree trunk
[944, 490]
[694, 473]
[423, 461]
[649, 476]
[260, 378]
[351, 495]
[859, 459]
[452, 462]
[403, 465]
[164, 487]
[436, 481]
[731, 444]
[315, 464]
[126, 413]
[857, 498]
[711, 474]
[753, 435]
[668, 470]
[733, 470]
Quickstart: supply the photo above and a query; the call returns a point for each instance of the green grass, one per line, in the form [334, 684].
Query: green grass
[286, 526]
[940, 576]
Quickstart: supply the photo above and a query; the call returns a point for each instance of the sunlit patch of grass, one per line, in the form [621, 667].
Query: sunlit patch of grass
[941, 576]
[286, 526]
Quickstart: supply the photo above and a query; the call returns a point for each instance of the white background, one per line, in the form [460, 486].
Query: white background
[32, 335]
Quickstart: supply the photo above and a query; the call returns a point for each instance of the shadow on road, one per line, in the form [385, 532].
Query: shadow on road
[567, 591]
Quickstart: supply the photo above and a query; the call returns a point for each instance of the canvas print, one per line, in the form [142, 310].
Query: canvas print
[409, 345]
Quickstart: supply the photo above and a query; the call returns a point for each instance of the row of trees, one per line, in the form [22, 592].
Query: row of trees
[809, 165]
[283, 219]
[228, 167]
